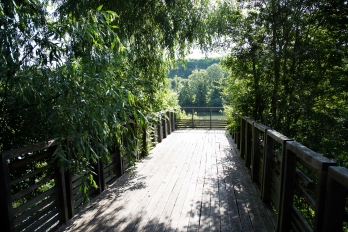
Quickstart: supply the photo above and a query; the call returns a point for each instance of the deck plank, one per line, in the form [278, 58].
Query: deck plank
[178, 209]
[194, 180]
[148, 206]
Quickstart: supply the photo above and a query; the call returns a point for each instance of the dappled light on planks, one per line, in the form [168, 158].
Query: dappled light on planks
[193, 180]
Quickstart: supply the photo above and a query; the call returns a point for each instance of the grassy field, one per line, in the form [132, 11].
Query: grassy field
[215, 115]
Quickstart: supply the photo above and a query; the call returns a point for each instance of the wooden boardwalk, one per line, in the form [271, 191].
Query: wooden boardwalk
[193, 181]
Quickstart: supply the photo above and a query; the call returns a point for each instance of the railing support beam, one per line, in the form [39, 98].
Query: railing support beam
[210, 117]
[242, 136]
[6, 212]
[336, 194]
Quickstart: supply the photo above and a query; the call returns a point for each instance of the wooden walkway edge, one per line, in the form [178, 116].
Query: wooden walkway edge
[194, 180]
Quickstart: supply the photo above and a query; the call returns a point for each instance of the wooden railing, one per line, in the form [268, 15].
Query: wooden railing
[305, 189]
[38, 195]
[199, 122]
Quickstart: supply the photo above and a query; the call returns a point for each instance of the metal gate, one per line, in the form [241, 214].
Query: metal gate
[202, 117]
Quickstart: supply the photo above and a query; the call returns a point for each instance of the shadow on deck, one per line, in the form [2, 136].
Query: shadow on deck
[193, 180]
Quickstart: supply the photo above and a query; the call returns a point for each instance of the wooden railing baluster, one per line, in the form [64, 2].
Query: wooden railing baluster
[248, 141]
[169, 125]
[327, 191]
[61, 194]
[160, 130]
[144, 137]
[242, 136]
[173, 121]
[288, 186]
[282, 175]
[69, 193]
[5, 196]
[237, 136]
[164, 126]
[336, 196]
[60, 202]
[210, 118]
[154, 134]
[256, 166]
[119, 163]
[98, 176]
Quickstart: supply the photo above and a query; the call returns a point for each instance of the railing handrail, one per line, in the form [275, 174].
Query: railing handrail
[30, 148]
[59, 202]
[280, 172]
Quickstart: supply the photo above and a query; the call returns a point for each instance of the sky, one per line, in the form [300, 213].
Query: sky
[197, 54]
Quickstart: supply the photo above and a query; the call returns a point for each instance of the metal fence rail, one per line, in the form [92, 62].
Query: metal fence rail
[197, 119]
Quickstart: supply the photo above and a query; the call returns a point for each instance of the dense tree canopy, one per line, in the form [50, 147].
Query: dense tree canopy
[202, 88]
[87, 71]
[288, 66]
[186, 69]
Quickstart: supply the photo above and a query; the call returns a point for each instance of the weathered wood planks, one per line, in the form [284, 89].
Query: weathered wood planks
[193, 180]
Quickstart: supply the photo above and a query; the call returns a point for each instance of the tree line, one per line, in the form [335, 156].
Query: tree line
[288, 65]
[184, 70]
[202, 88]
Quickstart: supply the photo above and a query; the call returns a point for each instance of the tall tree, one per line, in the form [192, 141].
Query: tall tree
[88, 71]
[198, 82]
[288, 61]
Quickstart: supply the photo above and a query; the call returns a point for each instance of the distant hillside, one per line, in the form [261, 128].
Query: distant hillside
[191, 65]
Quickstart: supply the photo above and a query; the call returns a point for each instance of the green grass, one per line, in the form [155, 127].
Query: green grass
[215, 115]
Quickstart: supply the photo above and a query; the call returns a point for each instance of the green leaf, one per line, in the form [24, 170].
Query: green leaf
[100, 7]
[112, 13]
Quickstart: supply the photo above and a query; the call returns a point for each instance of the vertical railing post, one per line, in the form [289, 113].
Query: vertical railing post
[98, 176]
[234, 132]
[288, 186]
[210, 118]
[164, 127]
[160, 130]
[236, 135]
[169, 125]
[69, 193]
[193, 123]
[321, 195]
[319, 164]
[154, 134]
[134, 127]
[61, 194]
[336, 193]
[6, 212]
[256, 156]
[173, 121]
[144, 141]
[237, 140]
[119, 162]
[271, 137]
[255, 164]
[242, 136]
[267, 165]
[248, 141]
[68, 187]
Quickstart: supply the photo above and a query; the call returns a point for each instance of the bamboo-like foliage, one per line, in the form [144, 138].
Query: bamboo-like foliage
[87, 72]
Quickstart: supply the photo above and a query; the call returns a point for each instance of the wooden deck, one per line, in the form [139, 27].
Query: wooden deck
[193, 180]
